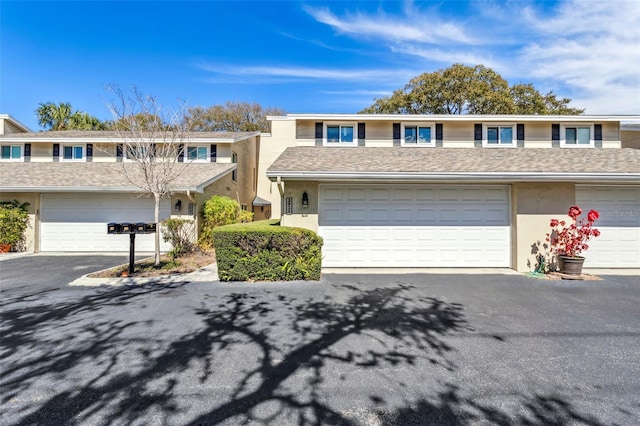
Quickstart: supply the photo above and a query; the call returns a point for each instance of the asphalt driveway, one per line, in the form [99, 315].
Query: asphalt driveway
[42, 272]
[362, 350]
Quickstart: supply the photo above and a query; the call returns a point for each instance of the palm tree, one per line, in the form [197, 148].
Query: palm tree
[54, 117]
[62, 117]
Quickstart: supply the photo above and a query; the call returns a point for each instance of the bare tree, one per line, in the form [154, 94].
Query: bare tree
[153, 140]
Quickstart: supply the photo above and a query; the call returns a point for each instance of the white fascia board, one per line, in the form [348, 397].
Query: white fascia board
[84, 139]
[113, 189]
[456, 176]
[464, 117]
[203, 185]
[288, 117]
[15, 122]
[43, 139]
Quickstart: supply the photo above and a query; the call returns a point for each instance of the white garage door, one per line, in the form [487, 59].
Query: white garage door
[618, 246]
[78, 222]
[415, 226]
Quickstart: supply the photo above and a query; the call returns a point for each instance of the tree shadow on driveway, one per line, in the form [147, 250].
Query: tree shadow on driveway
[183, 354]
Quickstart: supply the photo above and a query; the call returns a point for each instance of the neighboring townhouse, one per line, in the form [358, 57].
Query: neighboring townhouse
[451, 190]
[75, 184]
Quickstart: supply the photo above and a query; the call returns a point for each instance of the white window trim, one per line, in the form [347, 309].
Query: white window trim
[485, 139]
[432, 142]
[353, 124]
[14, 160]
[207, 157]
[73, 146]
[563, 135]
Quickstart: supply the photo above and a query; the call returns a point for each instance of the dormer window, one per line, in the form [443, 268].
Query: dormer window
[339, 134]
[499, 135]
[73, 152]
[418, 134]
[197, 153]
[11, 152]
[576, 136]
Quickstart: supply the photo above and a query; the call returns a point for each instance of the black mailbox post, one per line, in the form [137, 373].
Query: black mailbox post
[132, 230]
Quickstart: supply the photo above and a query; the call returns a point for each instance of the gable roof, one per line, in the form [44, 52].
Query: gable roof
[90, 177]
[403, 163]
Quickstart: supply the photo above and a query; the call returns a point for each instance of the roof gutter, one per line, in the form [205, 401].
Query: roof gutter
[112, 189]
[458, 176]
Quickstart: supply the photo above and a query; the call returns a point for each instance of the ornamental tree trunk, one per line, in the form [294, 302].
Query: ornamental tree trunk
[156, 219]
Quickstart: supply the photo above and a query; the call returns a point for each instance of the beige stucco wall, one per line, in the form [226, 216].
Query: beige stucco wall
[302, 217]
[455, 134]
[31, 233]
[270, 148]
[533, 207]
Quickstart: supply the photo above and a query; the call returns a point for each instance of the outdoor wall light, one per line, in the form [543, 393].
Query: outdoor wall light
[305, 200]
[178, 206]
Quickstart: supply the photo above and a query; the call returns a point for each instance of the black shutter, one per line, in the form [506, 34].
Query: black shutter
[319, 130]
[477, 135]
[396, 134]
[27, 152]
[439, 136]
[597, 136]
[89, 152]
[180, 153]
[119, 149]
[214, 153]
[520, 135]
[56, 152]
[361, 134]
[555, 135]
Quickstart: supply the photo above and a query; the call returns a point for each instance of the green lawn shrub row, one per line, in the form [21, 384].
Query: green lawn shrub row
[265, 251]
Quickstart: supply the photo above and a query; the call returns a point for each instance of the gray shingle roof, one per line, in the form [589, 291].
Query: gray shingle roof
[454, 160]
[59, 176]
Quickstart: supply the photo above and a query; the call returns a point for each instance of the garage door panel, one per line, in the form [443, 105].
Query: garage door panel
[78, 222]
[619, 243]
[434, 226]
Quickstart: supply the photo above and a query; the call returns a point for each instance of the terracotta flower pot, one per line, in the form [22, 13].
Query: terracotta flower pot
[5, 248]
[571, 265]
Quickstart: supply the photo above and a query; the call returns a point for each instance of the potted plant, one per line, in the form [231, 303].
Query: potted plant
[13, 223]
[569, 240]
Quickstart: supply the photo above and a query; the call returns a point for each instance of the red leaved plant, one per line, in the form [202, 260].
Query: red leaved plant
[571, 240]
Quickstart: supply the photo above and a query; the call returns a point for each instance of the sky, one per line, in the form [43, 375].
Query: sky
[309, 56]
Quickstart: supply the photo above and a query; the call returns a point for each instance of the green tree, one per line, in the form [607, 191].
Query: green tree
[462, 89]
[231, 117]
[61, 116]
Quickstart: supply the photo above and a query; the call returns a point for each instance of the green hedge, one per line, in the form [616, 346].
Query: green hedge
[265, 251]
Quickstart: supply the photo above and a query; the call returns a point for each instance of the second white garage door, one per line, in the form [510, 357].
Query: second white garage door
[618, 246]
[78, 222]
[415, 226]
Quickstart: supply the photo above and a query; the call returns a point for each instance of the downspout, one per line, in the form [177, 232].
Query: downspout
[196, 218]
[281, 191]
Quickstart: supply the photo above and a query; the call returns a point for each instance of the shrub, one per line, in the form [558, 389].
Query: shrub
[219, 211]
[264, 251]
[180, 233]
[13, 222]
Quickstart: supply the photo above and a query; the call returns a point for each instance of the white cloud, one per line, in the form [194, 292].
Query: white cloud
[447, 56]
[309, 73]
[594, 51]
[414, 28]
